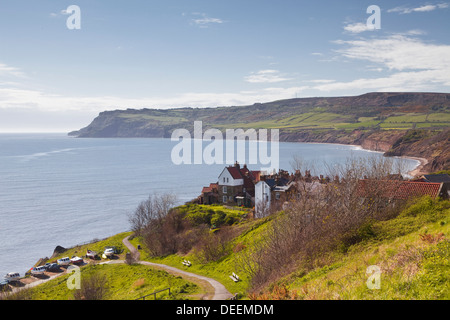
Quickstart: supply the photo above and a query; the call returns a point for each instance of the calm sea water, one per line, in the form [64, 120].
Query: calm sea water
[58, 190]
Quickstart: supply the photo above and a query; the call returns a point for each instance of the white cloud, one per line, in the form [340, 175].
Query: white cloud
[11, 98]
[322, 81]
[412, 64]
[7, 71]
[357, 27]
[206, 20]
[266, 76]
[202, 20]
[398, 52]
[423, 8]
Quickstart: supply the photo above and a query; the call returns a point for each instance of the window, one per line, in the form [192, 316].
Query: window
[277, 196]
[224, 189]
[225, 199]
[223, 179]
[228, 180]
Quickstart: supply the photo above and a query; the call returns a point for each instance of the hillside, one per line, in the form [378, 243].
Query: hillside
[370, 111]
[376, 121]
[411, 251]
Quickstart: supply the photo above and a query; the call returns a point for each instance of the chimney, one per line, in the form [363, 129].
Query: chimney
[236, 165]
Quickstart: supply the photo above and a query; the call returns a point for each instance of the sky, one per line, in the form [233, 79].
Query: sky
[59, 68]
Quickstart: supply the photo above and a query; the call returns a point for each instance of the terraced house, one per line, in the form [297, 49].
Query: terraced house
[236, 186]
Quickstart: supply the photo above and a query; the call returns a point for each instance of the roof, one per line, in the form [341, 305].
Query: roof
[235, 172]
[400, 190]
[437, 178]
[211, 188]
[280, 183]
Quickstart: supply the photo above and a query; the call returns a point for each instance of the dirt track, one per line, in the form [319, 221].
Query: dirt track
[220, 292]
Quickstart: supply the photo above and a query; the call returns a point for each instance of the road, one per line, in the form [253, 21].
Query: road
[220, 292]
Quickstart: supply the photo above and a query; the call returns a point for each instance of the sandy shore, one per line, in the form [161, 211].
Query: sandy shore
[417, 171]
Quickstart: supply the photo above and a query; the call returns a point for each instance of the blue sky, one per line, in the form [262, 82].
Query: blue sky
[172, 53]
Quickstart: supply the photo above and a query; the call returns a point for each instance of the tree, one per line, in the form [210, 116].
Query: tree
[153, 209]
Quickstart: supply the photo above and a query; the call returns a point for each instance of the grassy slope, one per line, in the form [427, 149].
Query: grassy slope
[311, 120]
[414, 264]
[250, 232]
[412, 252]
[124, 282]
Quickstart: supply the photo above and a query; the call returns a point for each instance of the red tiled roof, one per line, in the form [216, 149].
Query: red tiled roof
[400, 190]
[211, 188]
[416, 189]
[235, 172]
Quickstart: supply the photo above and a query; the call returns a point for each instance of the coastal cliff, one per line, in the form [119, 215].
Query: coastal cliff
[399, 124]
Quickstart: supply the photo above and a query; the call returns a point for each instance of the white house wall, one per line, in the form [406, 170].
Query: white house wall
[229, 180]
[262, 193]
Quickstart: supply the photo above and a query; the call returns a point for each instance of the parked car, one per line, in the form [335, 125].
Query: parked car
[109, 252]
[3, 283]
[76, 260]
[91, 254]
[64, 261]
[38, 270]
[51, 267]
[12, 276]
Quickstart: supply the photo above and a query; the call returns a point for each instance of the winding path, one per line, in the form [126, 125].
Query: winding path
[220, 292]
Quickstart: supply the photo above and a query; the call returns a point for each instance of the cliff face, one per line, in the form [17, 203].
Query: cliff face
[431, 145]
[376, 140]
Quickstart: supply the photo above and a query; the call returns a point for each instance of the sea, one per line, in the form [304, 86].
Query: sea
[60, 190]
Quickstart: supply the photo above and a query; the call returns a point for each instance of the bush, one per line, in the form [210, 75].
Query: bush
[93, 287]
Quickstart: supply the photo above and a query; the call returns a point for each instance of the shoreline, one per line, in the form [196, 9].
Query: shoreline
[417, 171]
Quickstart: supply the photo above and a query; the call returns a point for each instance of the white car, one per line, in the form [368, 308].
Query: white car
[38, 270]
[12, 276]
[64, 261]
[109, 252]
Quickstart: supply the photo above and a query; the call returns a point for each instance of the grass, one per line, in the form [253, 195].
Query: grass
[249, 233]
[329, 120]
[96, 245]
[212, 215]
[124, 282]
[412, 252]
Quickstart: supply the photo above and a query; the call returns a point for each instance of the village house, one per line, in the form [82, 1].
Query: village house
[438, 178]
[239, 186]
[235, 187]
[210, 195]
[273, 190]
[276, 191]
[393, 190]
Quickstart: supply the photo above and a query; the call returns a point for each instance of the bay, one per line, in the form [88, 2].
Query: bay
[59, 190]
